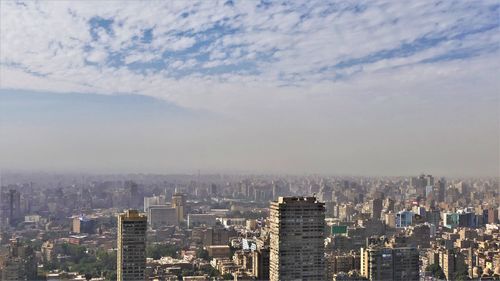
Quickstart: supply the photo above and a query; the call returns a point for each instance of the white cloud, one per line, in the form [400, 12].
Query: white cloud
[300, 44]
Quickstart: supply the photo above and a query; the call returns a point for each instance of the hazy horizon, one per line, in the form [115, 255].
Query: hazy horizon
[302, 87]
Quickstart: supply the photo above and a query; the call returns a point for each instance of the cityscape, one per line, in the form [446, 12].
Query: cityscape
[229, 227]
[249, 140]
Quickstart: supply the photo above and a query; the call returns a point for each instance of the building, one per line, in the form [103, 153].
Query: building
[194, 220]
[20, 262]
[380, 263]
[451, 262]
[297, 232]
[11, 206]
[152, 201]
[450, 220]
[84, 225]
[404, 219]
[131, 242]
[376, 208]
[441, 190]
[161, 216]
[219, 251]
[179, 203]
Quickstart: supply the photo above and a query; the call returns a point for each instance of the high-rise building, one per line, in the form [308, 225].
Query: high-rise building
[420, 183]
[179, 203]
[451, 262]
[379, 263]
[11, 207]
[376, 208]
[441, 190]
[131, 242]
[260, 259]
[19, 263]
[297, 232]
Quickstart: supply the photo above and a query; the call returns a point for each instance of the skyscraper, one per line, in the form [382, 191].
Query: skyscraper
[131, 256]
[297, 226]
[441, 189]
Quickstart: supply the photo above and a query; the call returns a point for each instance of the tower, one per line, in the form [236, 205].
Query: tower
[131, 255]
[297, 226]
[179, 203]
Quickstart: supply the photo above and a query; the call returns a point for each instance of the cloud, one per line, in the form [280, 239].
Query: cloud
[146, 47]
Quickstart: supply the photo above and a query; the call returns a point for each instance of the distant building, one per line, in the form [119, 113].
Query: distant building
[20, 262]
[404, 219]
[297, 232]
[379, 263]
[131, 242]
[179, 203]
[153, 201]
[194, 220]
[161, 216]
[450, 220]
[84, 225]
[376, 208]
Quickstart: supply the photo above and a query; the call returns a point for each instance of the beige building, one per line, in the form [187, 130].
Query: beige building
[161, 216]
[297, 233]
[131, 242]
[179, 203]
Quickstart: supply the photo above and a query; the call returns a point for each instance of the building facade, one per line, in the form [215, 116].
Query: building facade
[297, 232]
[131, 242]
[380, 263]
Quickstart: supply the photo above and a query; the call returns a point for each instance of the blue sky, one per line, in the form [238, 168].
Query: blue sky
[248, 84]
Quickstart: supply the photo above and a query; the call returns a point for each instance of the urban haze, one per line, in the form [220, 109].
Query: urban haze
[249, 140]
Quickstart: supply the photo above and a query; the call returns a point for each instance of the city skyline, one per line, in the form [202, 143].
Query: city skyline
[302, 87]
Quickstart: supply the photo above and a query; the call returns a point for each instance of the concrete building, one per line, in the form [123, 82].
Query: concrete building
[83, 224]
[404, 219]
[152, 201]
[179, 203]
[161, 215]
[194, 220]
[379, 263]
[297, 232]
[131, 242]
[19, 263]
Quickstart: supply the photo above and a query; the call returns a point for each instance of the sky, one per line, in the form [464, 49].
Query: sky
[297, 87]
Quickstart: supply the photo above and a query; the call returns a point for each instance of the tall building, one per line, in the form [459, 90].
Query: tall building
[131, 242]
[179, 203]
[451, 262]
[20, 262]
[376, 207]
[297, 232]
[441, 190]
[379, 263]
[260, 257]
[11, 207]
[420, 183]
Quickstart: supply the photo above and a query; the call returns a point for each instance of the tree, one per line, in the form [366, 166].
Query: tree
[202, 254]
[436, 271]
[462, 275]
[157, 251]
